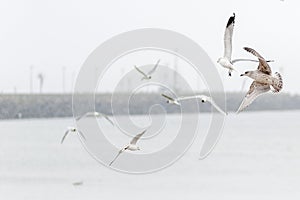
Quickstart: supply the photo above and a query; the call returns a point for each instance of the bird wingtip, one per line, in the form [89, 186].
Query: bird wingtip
[231, 20]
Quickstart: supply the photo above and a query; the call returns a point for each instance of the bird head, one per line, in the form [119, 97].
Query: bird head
[203, 99]
[247, 73]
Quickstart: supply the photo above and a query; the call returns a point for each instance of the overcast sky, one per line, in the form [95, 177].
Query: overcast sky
[49, 35]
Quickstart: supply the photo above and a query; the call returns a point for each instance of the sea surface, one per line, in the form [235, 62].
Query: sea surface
[257, 157]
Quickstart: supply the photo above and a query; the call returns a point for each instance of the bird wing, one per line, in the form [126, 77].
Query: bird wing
[137, 137]
[170, 98]
[65, 135]
[154, 68]
[190, 97]
[228, 37]
[140, 71]
[243, 59]
[213, 103]
[263, 65]
[256, 89]
[246, 59]
[119, 153]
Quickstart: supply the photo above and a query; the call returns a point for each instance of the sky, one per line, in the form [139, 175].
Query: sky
[56, 35]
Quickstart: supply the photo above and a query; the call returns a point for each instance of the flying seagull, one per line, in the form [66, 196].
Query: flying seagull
[72, 130]
[147, 76]
[263, 79]
[226, 61]
[131, 146]
[95, 114]
[203, 99]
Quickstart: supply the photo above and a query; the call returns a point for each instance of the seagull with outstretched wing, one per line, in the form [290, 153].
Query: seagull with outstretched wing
[203, 99]
[263, 80]
[71, 130]
[225, 61]
[131, 146]
[147, 76]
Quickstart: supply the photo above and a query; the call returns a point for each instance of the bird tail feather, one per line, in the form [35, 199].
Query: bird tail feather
[277, 83]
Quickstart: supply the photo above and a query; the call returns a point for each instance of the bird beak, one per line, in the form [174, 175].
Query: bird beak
[242, 74]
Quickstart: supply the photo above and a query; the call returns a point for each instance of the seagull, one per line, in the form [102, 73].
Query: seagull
[263, 79]
[73, 130]
[226, 61]
[203, 99]
[147, 76]
[131, 146]
[95, 114]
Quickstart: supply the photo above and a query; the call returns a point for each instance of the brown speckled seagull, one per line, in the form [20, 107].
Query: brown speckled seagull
[263, 80]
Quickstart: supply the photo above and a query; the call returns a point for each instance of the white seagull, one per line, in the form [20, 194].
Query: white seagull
[72, 130]
[95, 114]
[147, 76]
[226, 61]
[131, 146]
[203, 99]
[263, 79]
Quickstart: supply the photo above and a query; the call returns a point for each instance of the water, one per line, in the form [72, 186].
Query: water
[258, 157]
